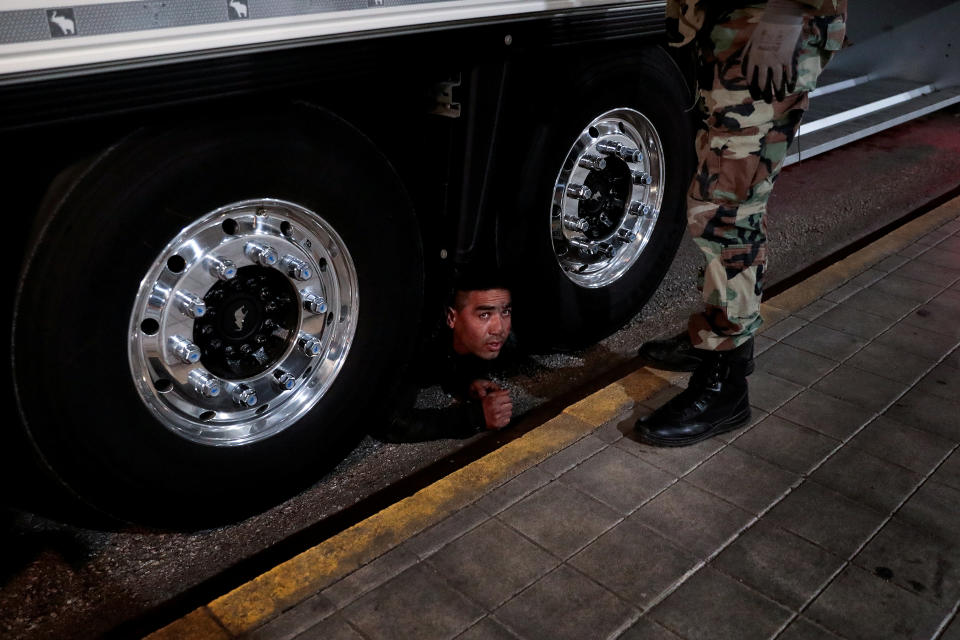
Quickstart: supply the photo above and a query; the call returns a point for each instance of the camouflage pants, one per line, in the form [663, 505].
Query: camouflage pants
[740, 151]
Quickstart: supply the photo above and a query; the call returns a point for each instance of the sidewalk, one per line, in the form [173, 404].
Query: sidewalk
[834, 514]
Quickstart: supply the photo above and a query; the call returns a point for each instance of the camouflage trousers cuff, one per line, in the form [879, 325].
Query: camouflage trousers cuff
[712, 330]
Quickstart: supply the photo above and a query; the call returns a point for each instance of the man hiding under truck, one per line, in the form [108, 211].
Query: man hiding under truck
[461, 359]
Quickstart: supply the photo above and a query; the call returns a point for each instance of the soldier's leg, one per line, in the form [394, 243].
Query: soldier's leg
[740, 151]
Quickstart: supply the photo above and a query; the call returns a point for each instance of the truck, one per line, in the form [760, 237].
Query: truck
[230, 219]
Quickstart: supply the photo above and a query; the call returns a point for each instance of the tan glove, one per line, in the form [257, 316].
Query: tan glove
[770, 57]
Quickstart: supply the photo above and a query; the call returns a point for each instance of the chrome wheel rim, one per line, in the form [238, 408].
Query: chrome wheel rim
[607, 198]
[243, 322]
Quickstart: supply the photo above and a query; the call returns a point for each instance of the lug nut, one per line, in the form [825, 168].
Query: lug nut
[314, 303]
[309, 345]
[204, 384]
[261, 254]
[584, 247]
[606, 251]
[592, 162]
[284, 380]
[222, 268]
[639, 177]
[607, 147]
[576, 224]
[628, 154]
[188, 352]
[626, 235]
[637, 208]
[296, 269]
[244, 396]
[579, 192]
[191, 305]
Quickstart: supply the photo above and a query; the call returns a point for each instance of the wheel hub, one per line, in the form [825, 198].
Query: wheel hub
[604, 210]
[243, 322]
[607, 198]
[248, 323]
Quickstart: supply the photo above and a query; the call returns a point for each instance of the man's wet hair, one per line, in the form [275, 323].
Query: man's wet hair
[475, 278]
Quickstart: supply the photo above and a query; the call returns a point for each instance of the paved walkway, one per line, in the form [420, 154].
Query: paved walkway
[834, 514]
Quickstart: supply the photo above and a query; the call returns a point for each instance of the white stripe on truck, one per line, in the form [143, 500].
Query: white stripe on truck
[36, 37]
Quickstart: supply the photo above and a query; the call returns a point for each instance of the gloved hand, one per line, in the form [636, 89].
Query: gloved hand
[770, 57]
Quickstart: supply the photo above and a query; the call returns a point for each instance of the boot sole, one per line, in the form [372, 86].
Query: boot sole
[737, 420]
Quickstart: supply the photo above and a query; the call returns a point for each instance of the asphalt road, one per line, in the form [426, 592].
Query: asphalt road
[58, 581]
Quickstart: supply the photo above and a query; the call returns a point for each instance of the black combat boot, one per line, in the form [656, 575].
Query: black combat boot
[714, 402]
[675, 354]
[672, 354]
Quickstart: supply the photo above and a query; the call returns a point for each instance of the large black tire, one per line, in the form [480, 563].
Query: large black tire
[81, 410]
[551, 310]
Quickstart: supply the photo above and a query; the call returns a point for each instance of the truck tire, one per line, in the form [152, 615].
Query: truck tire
[594, 221]
[213, 314]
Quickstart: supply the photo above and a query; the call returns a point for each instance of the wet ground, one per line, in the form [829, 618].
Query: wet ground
[62, 581]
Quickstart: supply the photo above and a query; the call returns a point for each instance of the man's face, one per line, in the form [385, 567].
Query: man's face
[481, 324]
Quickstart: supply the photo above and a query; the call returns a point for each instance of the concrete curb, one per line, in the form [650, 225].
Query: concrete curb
[270, 594]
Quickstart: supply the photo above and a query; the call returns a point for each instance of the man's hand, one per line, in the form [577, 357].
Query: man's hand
[497, 408]
[770, 57]
[479, 388]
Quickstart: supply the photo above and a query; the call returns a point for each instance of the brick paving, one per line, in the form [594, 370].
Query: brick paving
[834, 514]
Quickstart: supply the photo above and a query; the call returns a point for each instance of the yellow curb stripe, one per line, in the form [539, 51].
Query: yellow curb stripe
[802, 294]
[616, 398]
[265, 597]
[771, 315]
[198, 625]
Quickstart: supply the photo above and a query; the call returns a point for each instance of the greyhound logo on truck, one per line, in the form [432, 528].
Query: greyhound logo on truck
[62, 23]
[237, 9]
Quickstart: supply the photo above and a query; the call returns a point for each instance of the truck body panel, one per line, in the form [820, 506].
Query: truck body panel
[36, 39]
